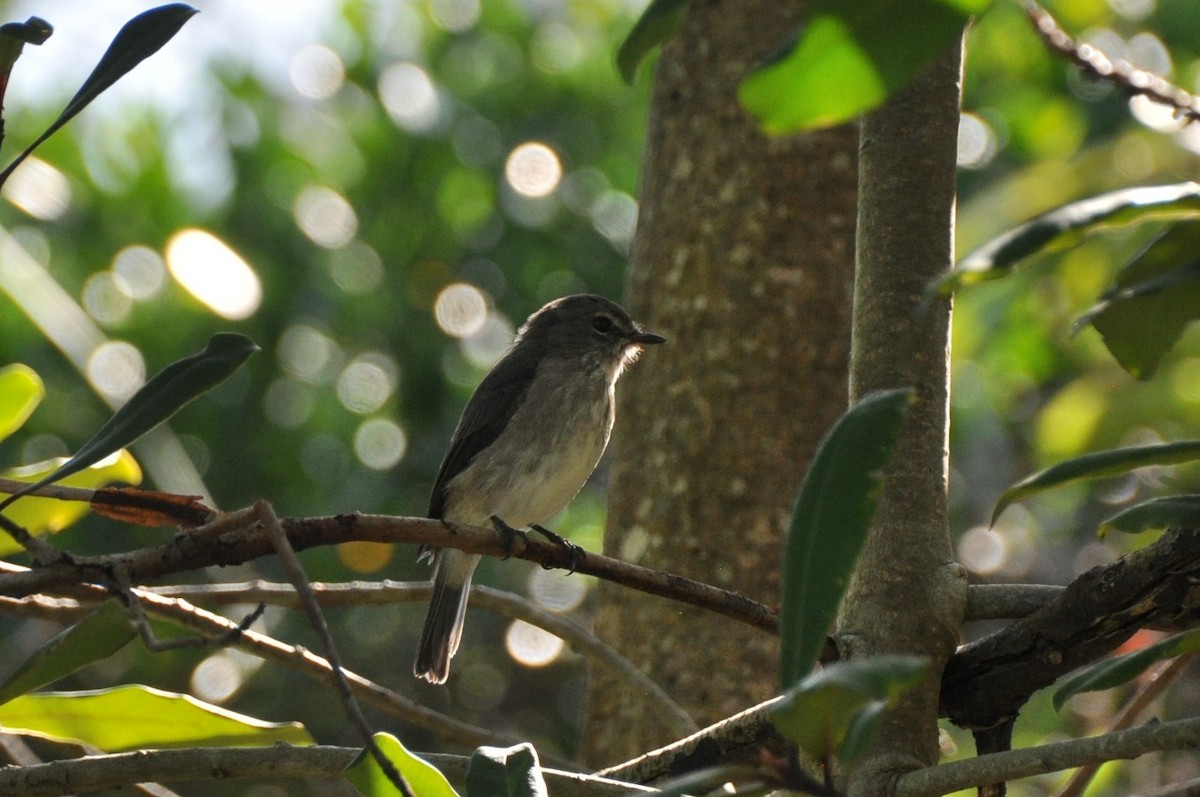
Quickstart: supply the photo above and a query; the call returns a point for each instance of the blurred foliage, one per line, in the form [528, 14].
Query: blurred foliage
[359, 159]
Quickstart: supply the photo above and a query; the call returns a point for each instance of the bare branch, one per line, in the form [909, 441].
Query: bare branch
[1120, 73]
[1014, 764]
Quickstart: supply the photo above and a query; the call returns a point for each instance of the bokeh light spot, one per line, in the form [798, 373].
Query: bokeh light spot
[976, 142]
[216, 679]
[982, 550]
[213, 273]
[363, 556]
[116, 369]
[531, 646]
[380, 443]
[39, 189]
[307, 353]
[556, 591]
[288, 403]
[614, 215]
[357, 269]
[105, 298]
[455, 16]
[325, 217]
[142, 271]
[533, 170]
[488, 344]
[367, 382]
[409, 96]
[460, 310]
[316, 72]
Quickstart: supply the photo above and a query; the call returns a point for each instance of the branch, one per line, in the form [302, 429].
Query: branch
[1000, 767]
[93, 773]
[989, 680]
[1120, 73]
[192, 550]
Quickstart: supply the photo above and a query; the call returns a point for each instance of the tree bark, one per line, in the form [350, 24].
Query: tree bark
[742, 259]
[907, 596]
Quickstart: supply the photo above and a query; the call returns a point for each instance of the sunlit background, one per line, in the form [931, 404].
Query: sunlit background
[380, 192]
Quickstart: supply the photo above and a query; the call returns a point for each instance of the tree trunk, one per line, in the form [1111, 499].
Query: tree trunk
[907, 596]
[743, 259]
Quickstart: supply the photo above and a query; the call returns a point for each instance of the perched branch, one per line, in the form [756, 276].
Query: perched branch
[987, 681]
[194, 550]
[1000, 767]
[1120, 73]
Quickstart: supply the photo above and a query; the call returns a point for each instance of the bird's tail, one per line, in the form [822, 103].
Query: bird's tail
[444, 620]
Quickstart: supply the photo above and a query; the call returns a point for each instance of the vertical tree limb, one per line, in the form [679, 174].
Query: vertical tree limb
[906, 595]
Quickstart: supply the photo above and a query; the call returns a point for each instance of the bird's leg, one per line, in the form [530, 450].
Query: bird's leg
[576, 552]
[508, 533]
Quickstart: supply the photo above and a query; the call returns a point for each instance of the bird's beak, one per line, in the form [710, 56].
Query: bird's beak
[646, 338]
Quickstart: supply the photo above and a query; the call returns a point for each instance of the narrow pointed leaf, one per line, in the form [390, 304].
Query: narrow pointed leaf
[21, 390]
[1066, 225]
[49, 515]
[368, 777]
[13, 38]
[94, 638]
[874, 46]
[506, 772]
[656, 23]
[1156, 295]
[1123, 669]
[159, 399]
[140, 38]
[1157, 513]
[1098, 465]
[133, 717]
[824, 713]
[830, 523]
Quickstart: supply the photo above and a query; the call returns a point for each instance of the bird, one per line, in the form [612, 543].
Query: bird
[530, 436]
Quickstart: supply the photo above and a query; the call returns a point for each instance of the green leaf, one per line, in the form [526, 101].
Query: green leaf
[21, 390]
[366, 775]
[505, 772]
[1122, 669]
[829, 525]
[1067, 225]
[49, 515]
[160, 398]
[140, 38]
[836, 711]
[134, 716]
[849, 57]
[1156, 295]
[1098, 465]
[656, 23]
[94, 638]
[13, 38]
[1157, 513]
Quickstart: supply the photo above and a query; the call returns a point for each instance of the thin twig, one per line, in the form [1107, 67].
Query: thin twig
[1120, 73]
[1055, 757]
[1157, 683]
[299, 579]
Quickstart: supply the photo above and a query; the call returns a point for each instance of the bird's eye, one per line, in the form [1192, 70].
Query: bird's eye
[602, 324]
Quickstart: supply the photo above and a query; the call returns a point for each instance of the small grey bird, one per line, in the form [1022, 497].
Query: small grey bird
[529, 438]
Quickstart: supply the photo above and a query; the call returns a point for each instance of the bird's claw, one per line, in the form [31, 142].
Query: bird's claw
[508, 533]
[576, 552]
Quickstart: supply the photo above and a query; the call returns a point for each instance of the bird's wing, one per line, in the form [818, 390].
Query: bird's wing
[495, 401]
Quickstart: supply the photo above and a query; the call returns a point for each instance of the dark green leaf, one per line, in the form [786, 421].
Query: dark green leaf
[821, 714]
[1098, 465]
[1122, 669]
[849, 57]
[1157, 513]
[94, 638]
[505, 772]
[13, 38]
[656, 23]
[1156, 295]
[368, 777]
[141, 38]
[1067, 225]
[159, 399]
[829, 525]
[147, 718]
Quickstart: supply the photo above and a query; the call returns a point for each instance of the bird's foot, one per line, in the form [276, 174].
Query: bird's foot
[576, 552]
[508, 533]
